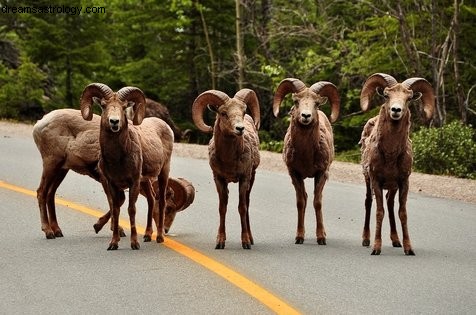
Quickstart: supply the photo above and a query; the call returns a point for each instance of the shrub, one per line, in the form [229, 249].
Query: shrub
[449, 150]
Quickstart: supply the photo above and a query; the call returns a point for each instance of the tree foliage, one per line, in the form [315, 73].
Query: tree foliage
[175, 49]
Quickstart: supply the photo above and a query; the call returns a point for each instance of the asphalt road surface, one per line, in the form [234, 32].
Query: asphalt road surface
[76, 274]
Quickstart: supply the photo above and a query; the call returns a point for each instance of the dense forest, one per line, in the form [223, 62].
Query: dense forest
[175, 49]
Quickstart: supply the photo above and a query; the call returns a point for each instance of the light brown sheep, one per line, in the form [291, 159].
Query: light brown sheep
[387, 151]
[67, 142]
[122, 149]
[233, 151]
[308, 144]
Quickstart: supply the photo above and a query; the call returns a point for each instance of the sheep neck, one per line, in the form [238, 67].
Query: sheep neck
[115, 145]
[392, 136]
[228, 147]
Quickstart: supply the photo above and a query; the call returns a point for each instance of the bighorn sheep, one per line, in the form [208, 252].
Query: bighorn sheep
[308, 144]
[387, 151]
[67, 142]
[233, 151]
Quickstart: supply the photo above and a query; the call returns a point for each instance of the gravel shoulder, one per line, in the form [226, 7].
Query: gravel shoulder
[430, 185]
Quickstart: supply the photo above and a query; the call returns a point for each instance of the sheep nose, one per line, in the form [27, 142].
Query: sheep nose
[240, 129]
[305, 115]
[114, 121]
[396, 110]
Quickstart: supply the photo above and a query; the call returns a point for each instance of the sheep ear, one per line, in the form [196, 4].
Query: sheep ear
[379, 91]
[416, 96]
[324, 100]
[212, 108]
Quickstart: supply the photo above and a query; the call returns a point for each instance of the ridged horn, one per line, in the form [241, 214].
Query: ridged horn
[286, 86]
[249, 97]
[376, 80]
[98, 90]
[329, 90]
[210, 97]
[427, 95]
[184, 192]
[134, 94]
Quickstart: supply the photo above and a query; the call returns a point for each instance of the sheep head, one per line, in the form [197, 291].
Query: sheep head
[307, 101]
[230, 111]
[180, 194]
[398, 95]
[113, 105]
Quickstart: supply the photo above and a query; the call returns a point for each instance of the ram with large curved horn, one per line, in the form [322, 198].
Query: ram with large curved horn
[233, 151]
[387, 154]
[308, 144]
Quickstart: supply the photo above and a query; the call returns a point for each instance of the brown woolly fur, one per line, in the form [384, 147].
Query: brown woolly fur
[387, 152]
[233, 151]
[308, 144]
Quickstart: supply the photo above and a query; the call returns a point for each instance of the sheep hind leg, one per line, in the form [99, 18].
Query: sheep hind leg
[147, 190]
[368, 210]
[391, 216]
[222, 189]
[58, 179]
[159, 215]
[319, 182]
[301, 201]
[248, 208]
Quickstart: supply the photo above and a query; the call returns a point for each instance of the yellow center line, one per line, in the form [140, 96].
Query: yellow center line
[258, 292]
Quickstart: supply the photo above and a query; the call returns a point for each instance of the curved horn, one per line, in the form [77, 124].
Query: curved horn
[427, 95]
[328, 90]
[285, 87]
[133, 94]
[249, 97]
[184, 192]
[98, 90]
[212, 97]
[376, 80]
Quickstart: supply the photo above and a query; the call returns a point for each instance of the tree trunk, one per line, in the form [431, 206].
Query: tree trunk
[458, 87]
[240, 59]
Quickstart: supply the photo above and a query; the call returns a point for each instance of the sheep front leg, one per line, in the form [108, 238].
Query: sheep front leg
[243, 210]
[105, 218]
[391, 216]
[301, 201]
[118, 198]
[402, 213]
[248, 193]
[380, 214]
[319, 182]
[222, 189]
[368, 210]
[133, 195]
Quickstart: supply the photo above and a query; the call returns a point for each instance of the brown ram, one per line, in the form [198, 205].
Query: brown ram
[233, 151]
[387, 152]
[67, 142]
[308, 144]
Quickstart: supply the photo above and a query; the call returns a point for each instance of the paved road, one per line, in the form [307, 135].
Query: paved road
[76, 274]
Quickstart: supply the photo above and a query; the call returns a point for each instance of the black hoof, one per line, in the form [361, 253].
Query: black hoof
[410, 252]
[220, 246]
[159, 239]
[135, 246]
[396, 244]
[147, 238]
[321, 241]
[299, 240]
[113, 247]
[246, 245]
[376, 252]
[58, 234]
[366, 243]
[50, 236]
[97, 228]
